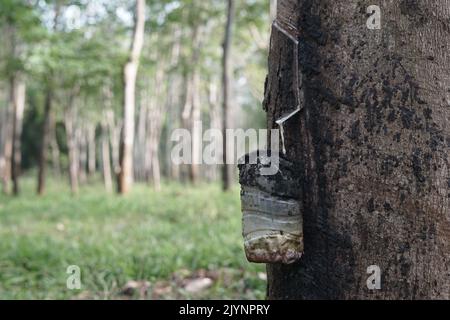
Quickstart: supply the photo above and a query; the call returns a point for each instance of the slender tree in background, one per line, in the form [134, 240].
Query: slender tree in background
[371, 144]
[91, 146]
[106, 157]
[227, 170]
[45, 142]
[191, 109]
[130, 73]
[47, 124]
[14, 114]
[19, 89]
[273, 10]
[71, 126]
[8, 137]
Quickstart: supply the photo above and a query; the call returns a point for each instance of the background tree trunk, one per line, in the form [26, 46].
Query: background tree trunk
[45, 142]
[3, 121]
[191, 110]
[130, 73]
[71, 134]
[371, 144]
[273, 10]
[173, 104]
[215, 123]
[8, 137]
[106, 158]
[227, 170]
[91, 146]
[55, 149]
[19, 108]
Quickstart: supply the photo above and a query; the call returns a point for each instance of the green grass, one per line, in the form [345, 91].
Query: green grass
[165, 238]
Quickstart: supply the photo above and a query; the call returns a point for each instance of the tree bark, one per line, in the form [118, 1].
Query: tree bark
[90, 131]
[227, 169]
[71, 134]
[194, 173]
[46, 127]
[82, 145]
[371, 144]
[3, 121]
[141, 139]
[45, 142]
[273, 10]
[113, 129]
[18, 111]
[215, 123]
[154, 106]
[106, 158]
[55, 149]
[130, 73]
[8, 137]
[173, 104]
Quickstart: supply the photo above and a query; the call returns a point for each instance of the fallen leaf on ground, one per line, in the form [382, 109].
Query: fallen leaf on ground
[196, 285]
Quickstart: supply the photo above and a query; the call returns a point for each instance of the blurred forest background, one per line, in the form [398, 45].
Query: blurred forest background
[90, 92]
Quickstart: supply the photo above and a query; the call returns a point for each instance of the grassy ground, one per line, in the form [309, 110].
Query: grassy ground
[163, 241]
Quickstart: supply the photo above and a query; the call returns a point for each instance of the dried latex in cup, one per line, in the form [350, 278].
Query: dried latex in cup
[272, 216]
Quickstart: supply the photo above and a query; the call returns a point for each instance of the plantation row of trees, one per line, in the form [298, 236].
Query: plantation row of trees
[98, 86]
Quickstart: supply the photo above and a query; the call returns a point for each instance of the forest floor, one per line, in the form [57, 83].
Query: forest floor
[181, 242]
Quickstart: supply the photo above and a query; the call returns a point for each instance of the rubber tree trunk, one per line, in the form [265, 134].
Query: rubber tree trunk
[70, 123]
[90, 131]
[56, 166]
[3, 121]
[8, 137]
[194, 169]
[191, 114]
[82, 145]
[18, 111]
[45, 142]
[173, 103]
[371, 144]
[130, 74]
[227, 74]
[141, 131]
[106, 157]
[273, 10]
[215, 123]
[46, 127]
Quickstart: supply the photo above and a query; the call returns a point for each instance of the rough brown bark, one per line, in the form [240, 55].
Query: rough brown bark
[227, 169]
[125, 178]
[371, 145]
